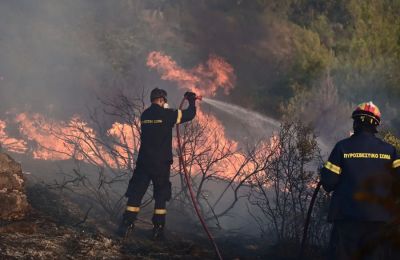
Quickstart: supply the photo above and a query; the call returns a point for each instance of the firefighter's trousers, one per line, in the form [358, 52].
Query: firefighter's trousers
[359, 240]
[159, 175]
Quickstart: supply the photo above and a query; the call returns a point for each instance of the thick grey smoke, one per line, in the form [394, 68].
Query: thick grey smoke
[57, 56]
[46, 61]
[53, 55]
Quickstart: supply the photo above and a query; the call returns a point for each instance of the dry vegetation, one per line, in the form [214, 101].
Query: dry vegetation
[58, 229]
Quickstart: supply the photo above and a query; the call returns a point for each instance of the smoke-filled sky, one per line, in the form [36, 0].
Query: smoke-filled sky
[56, 57]
[43, 58]
[50, 59]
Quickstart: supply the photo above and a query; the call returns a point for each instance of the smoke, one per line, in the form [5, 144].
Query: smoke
[56, 57]
[45, 57]
[203, 79]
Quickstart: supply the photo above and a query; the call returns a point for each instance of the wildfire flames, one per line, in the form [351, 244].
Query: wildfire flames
[48, 139]
[204, 80]
[9, 143]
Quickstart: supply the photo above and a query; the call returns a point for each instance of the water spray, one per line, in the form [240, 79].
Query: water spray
[182, 166]
[243, 113]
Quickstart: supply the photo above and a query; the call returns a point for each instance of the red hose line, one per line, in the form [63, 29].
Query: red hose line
[308, 219]
[192, 196]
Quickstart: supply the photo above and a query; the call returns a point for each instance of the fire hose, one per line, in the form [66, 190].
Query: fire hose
[308, 218]
[182, 164]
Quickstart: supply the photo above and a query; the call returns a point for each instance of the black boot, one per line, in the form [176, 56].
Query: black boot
[127, 224]
[125, 229]
[158, 232]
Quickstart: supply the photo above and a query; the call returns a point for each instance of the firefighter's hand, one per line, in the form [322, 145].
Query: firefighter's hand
[190, 96]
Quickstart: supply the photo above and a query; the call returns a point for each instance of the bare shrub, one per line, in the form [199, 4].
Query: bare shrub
[283, 191]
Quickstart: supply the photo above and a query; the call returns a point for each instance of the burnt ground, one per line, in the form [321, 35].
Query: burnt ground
[41, 238]
[55, 230]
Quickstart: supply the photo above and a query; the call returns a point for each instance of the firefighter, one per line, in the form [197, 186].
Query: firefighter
[154, 160]
[360, 164]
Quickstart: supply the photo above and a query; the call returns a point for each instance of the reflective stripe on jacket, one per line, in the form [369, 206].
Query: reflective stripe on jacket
[156, 132]
[360, 164]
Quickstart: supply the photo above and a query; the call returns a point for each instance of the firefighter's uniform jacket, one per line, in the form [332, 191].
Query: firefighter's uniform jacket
[155, 158]
[360, 171]
[360, 164]
[156, 133]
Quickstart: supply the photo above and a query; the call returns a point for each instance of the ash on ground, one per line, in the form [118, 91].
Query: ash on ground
[56, 228]
[53, 230]
[46, 223]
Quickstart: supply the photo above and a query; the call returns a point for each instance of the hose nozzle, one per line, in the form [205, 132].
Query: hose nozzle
[192, 95]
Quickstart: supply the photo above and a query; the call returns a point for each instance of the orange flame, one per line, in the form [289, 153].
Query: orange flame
[9, 143]
[128, 140]
[204, 80]
[58, 140]
[210, 145]
[37, 129]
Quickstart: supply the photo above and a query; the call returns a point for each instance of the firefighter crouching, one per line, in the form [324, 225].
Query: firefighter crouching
[154, 160]
[360, 164]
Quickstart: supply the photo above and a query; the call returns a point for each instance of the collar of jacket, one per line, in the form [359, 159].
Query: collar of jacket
[153, 105]
[365, 133]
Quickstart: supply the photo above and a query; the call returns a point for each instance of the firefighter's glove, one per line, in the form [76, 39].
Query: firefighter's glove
[190, 96]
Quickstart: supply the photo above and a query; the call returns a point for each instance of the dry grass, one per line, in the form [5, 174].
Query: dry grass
[51, 232]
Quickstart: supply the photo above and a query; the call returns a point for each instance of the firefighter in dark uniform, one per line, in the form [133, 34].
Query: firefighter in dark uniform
[155, 159]
[360, 164]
